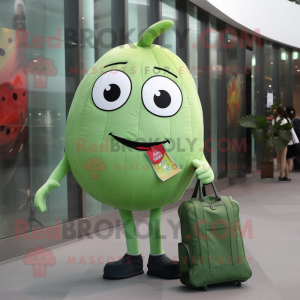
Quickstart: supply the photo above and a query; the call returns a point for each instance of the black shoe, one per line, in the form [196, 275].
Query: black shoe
[284, 179]
[162, 266]
[127, 266]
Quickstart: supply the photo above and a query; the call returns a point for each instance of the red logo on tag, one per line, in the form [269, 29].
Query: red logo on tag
[156, 153]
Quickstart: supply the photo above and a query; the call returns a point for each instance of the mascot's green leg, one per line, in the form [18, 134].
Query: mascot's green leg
[159, 264]
[130, 232]
[131, 264]
[156, 247]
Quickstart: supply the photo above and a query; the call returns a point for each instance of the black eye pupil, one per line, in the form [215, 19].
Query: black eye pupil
[112, 92]
[162, 99]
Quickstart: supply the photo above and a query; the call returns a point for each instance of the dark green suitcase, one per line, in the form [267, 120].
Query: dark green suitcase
[212, 248]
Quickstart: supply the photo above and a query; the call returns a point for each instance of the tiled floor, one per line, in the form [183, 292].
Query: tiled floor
[272, 207]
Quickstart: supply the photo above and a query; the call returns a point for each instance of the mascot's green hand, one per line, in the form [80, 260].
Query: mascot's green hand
[203, 171]
[43, 192]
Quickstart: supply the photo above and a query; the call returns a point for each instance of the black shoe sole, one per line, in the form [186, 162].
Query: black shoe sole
[161, 276]
[123, 276]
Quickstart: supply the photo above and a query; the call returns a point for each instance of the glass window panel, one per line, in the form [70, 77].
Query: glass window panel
[288, 77]
[251, 105]
[15, 197]
[221, 107]
[296, 85]
[90, 22]
[137, 18]
[214, 78]
[14, 141]
[198, 61]
[38, 17]
[94, 207]
[33, 76]
[100, 13]
[258, 95]
[194, 34]
[141, 15]
[102, 27]
[236, 103]
[169, 12]
[283, 57]
[46, 151]
[269, 62]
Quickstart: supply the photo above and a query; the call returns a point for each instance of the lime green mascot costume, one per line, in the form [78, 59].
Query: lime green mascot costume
[136, 97]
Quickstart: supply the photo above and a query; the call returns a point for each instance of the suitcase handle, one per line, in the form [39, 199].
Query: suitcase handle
[203, 191]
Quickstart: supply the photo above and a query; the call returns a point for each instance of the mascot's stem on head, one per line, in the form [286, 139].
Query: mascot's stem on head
[148, 37]
[122, 107]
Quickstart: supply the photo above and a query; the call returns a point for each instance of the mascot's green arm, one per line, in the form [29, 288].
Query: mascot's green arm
[203, 170]
[52, 183]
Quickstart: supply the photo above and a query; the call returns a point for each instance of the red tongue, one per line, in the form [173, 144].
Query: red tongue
[156, 153]
[143, 148]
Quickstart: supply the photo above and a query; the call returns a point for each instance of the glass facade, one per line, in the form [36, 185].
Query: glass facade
[47, 47]
[34, 91]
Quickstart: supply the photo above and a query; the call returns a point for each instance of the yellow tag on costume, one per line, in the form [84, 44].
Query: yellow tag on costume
[162, 163]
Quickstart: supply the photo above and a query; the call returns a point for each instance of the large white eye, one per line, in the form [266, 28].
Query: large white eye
[111, 90]
[161, 96]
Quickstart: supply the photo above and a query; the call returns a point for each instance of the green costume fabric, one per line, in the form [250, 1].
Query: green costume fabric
[155, 234]
[134, 93]
[130, 232]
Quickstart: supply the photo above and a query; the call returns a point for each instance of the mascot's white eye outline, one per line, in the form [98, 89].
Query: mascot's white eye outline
[170, 93]
[119, 86]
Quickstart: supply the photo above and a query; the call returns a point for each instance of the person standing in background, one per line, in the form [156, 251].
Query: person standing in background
[19, 21]
[281, 155]
[291, 112]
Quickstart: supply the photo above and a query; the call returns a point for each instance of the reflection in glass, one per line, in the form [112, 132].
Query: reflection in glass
[251, 105]
[296, 79]
[32, 119]
[194, 34]
[283, 56]
[14, 147]
[137, 18]
[169, 12]
[19, 21]
[286, 76]
[98, 17]
[197, 63]
[269, 63]
[258, 95]
[94, 207]
[46, 151]
[15, 201]
[213, 40]
[236, 104]
[141, 15]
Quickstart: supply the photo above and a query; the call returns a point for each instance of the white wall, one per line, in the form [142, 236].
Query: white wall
[278, 20]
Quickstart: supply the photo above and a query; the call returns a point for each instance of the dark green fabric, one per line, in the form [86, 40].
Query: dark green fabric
[212, 249]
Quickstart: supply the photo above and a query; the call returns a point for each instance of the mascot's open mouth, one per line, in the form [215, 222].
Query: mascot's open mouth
[137, 145]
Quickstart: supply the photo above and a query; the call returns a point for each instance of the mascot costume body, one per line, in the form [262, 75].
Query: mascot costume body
[137, 97]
